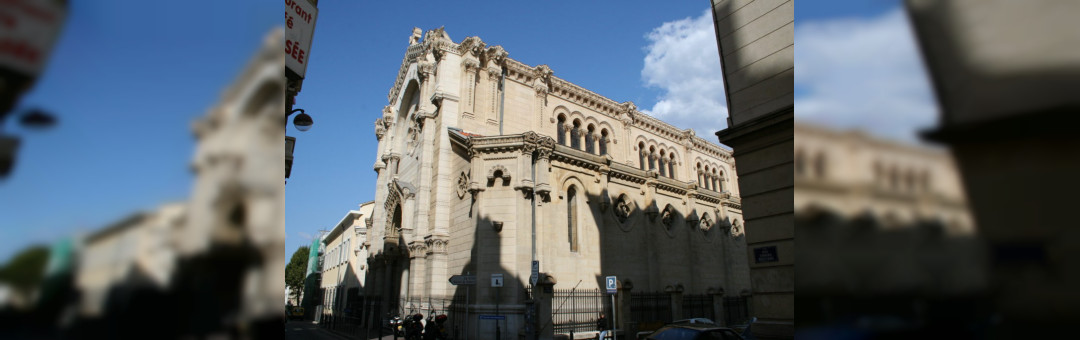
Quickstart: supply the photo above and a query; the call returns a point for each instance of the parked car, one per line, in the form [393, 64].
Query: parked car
[694, 331]
[296, 313]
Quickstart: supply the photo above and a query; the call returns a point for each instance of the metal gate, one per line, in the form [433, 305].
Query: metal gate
[698, 306]
[650, 310]
[577, 310]
[736, 310]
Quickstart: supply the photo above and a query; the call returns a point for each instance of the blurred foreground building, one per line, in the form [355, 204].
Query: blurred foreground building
[495, 170]
[756, 42]
[1005, 75]
[212, 264]
[885, 235]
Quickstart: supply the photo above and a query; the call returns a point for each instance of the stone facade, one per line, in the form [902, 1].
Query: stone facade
[341, 270]
[851, 175]
[756, 42]
[487, 164]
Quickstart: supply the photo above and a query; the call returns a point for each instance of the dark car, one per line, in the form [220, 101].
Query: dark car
[694, 331]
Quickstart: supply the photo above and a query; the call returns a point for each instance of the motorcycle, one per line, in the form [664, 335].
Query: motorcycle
[396, 326]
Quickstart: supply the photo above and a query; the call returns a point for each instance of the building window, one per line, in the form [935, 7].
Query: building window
[603, 142]
[571, 218]
[652, 158]
[561, 130]
[699, 174]
[671, 166]
[819, 165]
[800, 163]
[575, 136]
[589, 140]
[720, 181]
[641, 155]
[714, 180]
[663, 166]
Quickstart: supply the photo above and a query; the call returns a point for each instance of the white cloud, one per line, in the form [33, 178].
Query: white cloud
[304, 235]
[862, 74]
[683, 61]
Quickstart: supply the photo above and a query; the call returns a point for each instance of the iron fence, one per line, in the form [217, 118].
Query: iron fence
[577, 310]
[698, 306]
[650, 310]
[736, 310]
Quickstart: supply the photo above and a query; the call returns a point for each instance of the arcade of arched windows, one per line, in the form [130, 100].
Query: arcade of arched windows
[582, 134]
[657, 158]
[887, 176]
[710, 176]
[805, 164]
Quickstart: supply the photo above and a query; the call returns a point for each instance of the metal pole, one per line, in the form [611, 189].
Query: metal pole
[498, 331]
[467, 289]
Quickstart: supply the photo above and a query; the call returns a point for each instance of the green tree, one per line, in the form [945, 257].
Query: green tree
[26, 269]
[296, 271]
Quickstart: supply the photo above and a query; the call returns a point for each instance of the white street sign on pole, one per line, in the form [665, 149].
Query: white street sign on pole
[300, 18]
[496, 280]
[467, 280]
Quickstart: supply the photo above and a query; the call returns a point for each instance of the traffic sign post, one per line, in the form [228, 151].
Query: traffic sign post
[612, 285]
[497, 282]
[465, 280]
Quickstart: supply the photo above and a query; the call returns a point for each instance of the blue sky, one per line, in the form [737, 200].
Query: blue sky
[125, 79]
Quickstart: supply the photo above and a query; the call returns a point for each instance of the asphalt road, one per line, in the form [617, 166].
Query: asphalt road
[307, 330]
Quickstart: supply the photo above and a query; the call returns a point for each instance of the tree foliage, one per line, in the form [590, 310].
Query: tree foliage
[25, 270]
[296, 270]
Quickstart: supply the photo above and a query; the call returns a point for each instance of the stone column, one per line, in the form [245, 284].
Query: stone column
[436, 259]
[676, 294]
[417, 264]
[623, 318]
[718, 306]
[471, 66]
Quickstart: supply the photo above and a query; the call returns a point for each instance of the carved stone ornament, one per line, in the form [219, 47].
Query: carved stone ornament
[462, 185]
[736, 229]
[668, 217]
[705, 223]
[622, 209]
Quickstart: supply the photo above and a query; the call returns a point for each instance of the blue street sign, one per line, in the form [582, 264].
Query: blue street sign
[611, 285]
[493, 317]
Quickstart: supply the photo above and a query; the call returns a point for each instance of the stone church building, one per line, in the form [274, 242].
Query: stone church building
[487, 166]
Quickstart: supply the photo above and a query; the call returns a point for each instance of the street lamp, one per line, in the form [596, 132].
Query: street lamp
[302, 122]
[34, 119]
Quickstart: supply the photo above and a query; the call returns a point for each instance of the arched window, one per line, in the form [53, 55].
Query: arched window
[652, 158]
[720, 181]
[662, 160]
[671, 165]
[877, 173]
[714, 181]
[571, 218]
[603, 141]
[910, 180]
[819, 165]
[575, 135]
[698, 172]
[641, 155]
[800, 163]
[561, 127]
[705, 177]
[589, 139]
[894, 178]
